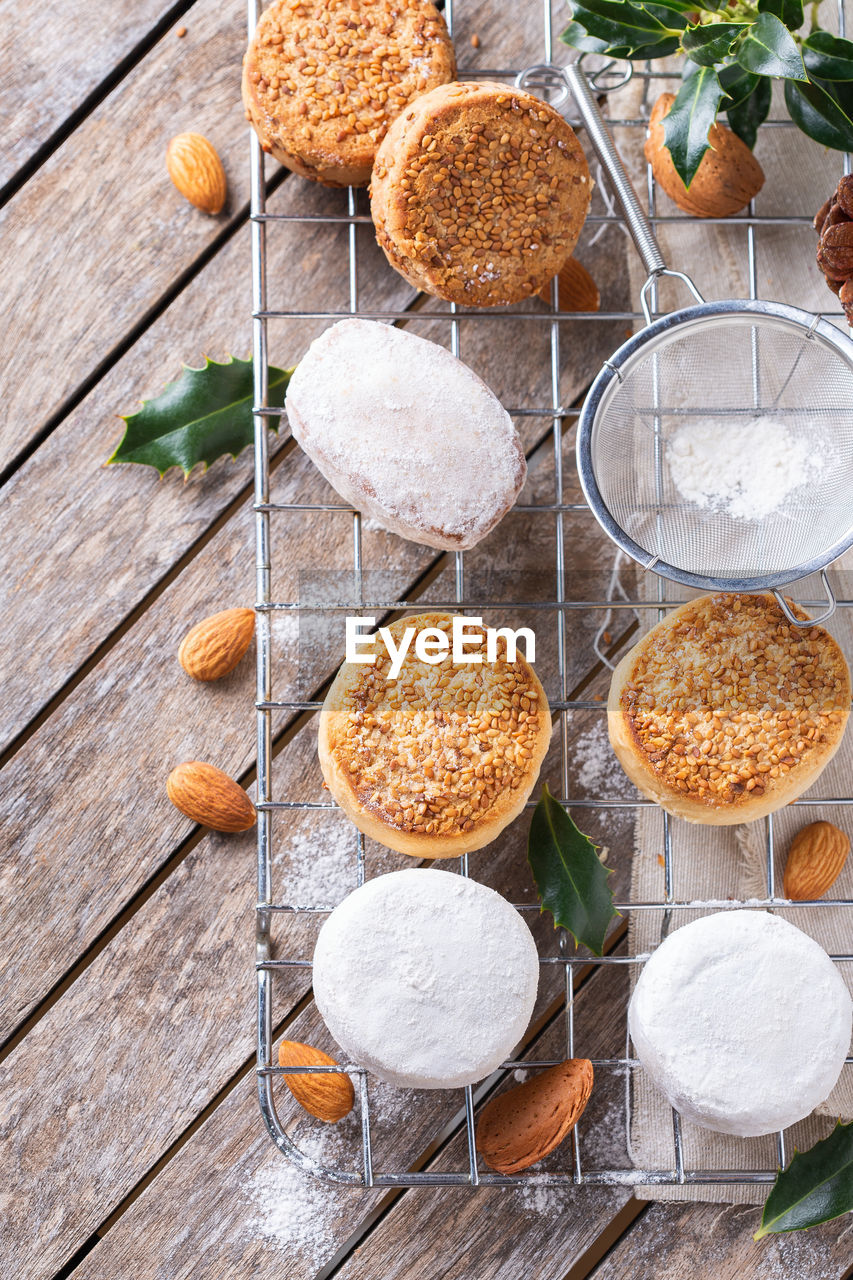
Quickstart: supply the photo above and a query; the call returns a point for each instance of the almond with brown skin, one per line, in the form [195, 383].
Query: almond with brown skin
[214, 646]
[207, 795]
[727, 178]
[817, 854]
[196, 170]
[328, 1096]
[576, 289]
[520, 1127]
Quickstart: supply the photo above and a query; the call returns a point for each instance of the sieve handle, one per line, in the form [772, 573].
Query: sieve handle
[809, 622]
[605, 148]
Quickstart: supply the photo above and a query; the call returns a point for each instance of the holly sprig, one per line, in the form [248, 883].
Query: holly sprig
[732, 50]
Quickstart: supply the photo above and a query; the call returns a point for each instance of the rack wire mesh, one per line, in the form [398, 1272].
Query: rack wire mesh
[574, 1170]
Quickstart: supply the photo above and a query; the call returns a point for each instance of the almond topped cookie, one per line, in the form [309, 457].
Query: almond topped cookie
[323, 79]
[438, 760]
[479, 193]
[725, 712]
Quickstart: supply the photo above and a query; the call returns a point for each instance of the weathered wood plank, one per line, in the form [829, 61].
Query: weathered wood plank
[74, 571]
[99, 233]
[50, 605]
[533, 1233]
[668, 1239]
[205, 1210]
[156, 1025]
[175, 976]
[119, 234]
[48, 75]
[59, 896]
[54, 616]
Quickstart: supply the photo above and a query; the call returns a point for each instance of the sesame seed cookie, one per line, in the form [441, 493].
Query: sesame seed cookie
[725, 712]
[323, 79]
[439, 760]
[479, 193]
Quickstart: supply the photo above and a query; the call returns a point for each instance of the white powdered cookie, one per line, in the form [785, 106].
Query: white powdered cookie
[742, 1021]
[407, 433]
[426, 978]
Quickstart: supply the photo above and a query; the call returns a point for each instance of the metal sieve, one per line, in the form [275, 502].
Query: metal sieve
[765, 372]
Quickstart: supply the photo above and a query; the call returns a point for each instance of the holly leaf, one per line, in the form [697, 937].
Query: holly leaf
[689, 119]
[746, 116]
[737, 83]
[200, 417]
[575, 36]
[708, 45]
[623, 24]
[571, 880]
[769, 49]
[816, 1186]
[790, 12]
[828, 57]
[823, 110]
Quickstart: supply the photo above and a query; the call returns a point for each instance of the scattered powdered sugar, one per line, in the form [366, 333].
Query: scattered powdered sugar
[594, 763]
[294, 1209]
[548, 1202]
[748, 472]
[321, 864]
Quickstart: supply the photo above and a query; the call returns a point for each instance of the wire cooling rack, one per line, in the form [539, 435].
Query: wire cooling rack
[575, 1169]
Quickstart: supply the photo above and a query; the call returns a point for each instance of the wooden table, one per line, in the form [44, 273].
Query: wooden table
[132, 1142]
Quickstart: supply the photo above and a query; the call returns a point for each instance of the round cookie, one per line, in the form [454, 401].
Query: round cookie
[742, 1021]
[426, 978]
[725, 712]
[438, 761]
[479, 193]
[323, 79]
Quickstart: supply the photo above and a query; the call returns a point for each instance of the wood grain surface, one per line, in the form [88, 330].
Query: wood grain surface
[670, 1241]
[126, 235]
[183, 1224]
[131, 1142]
[55, 54]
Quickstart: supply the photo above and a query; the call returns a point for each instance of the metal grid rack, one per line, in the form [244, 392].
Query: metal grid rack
[575, 1171]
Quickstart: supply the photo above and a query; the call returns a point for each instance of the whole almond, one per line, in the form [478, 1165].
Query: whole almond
[196, 170]
[207, 795]
[576, 289]
[520, 1127]
[214, 646]
[817, 854]
[727, 178]
[328, 1096]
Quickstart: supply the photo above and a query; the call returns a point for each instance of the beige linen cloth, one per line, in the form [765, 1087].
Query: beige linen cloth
[722, 863]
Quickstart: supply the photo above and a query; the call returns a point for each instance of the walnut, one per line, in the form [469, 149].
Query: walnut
[834, 225]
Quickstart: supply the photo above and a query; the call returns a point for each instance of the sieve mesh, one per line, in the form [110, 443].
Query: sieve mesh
[758, 378]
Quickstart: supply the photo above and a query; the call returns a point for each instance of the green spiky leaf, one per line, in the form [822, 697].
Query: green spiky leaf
[769, 49]
[823, 109]
[828, 57]
[746, 116]
[571, 880]
[708, 45]
[788, 11]
[816, 1186]
[687, 122]
[205, 414]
